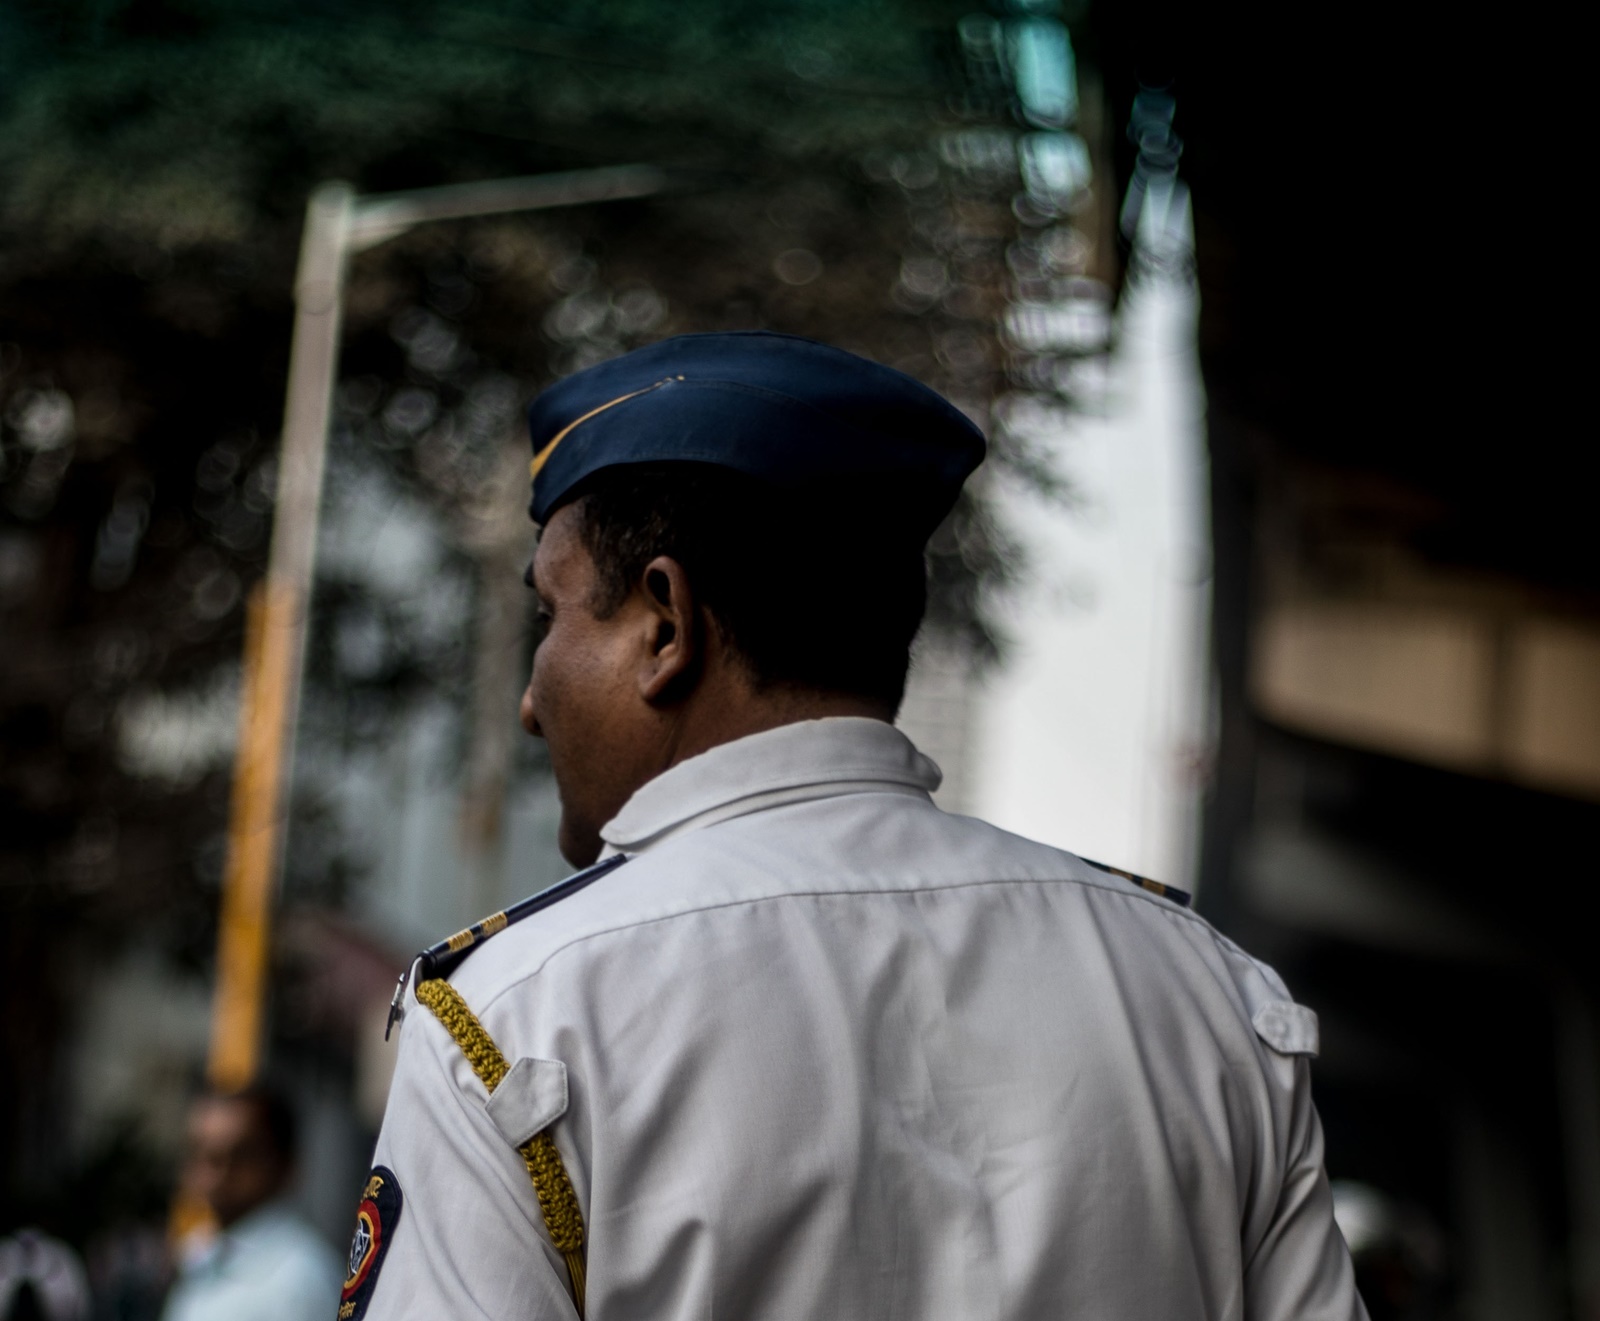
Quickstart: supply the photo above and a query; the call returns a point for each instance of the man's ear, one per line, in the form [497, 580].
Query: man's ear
[672, 652]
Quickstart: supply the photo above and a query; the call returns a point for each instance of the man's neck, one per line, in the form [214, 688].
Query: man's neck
[711, 719]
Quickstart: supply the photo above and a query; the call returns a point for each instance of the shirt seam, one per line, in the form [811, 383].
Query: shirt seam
[1163, 906]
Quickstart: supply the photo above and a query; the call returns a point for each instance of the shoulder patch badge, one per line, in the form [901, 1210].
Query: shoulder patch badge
[376, 1220]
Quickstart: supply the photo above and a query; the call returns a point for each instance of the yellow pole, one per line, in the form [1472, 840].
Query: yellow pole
[275, 650]
[276, 633]
[244, 926]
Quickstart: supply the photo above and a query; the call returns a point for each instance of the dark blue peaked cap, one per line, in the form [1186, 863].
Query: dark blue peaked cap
[786, 410]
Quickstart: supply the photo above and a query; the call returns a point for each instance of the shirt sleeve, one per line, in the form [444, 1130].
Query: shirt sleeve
[1301, 1269]
[470, 1241]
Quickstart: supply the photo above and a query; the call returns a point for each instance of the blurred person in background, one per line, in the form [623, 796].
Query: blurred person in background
[263, 1263]
[41, 1279]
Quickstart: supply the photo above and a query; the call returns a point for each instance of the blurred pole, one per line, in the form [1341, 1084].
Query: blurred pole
[384, 215]
[275, 649]
[275, 639]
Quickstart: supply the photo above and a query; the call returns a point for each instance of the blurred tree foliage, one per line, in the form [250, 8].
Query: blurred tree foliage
[179, 123]
[154, 160]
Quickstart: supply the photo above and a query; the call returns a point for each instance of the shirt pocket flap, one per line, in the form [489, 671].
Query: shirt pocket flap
[1290, 1029]
[531, 1097]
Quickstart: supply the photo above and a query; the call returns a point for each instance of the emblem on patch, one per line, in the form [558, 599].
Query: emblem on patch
[376, 1220]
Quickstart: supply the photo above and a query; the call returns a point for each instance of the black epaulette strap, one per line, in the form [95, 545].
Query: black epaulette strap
[442, 959]
[1180, 897]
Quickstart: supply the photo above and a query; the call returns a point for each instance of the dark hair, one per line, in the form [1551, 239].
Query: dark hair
[812, 588]
[275, 1116]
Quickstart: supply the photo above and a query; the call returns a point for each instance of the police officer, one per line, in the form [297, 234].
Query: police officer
[798, 1044]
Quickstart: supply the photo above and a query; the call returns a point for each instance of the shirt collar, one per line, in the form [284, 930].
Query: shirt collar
[792, 763]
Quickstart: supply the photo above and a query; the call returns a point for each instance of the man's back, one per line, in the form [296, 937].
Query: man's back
[821, 1050]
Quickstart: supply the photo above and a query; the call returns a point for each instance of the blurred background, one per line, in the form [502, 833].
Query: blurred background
[1280, 583]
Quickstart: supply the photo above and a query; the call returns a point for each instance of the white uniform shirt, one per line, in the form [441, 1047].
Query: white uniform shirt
[821, 1050]
[269, 1266]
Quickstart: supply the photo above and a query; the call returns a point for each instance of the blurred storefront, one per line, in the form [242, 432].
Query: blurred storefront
[1405, 784]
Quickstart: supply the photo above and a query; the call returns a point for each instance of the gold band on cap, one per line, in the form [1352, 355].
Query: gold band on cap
[543, 456]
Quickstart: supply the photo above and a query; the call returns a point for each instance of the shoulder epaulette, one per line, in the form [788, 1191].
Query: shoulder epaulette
[1180, 897]
[441, 960]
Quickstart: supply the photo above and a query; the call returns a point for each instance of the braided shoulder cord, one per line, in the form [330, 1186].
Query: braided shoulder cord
[557, 1200]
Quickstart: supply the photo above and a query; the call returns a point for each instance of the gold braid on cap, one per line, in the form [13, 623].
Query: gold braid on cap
[557, 1199]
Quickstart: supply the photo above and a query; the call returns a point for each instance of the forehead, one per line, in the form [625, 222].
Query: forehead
[562, 565]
